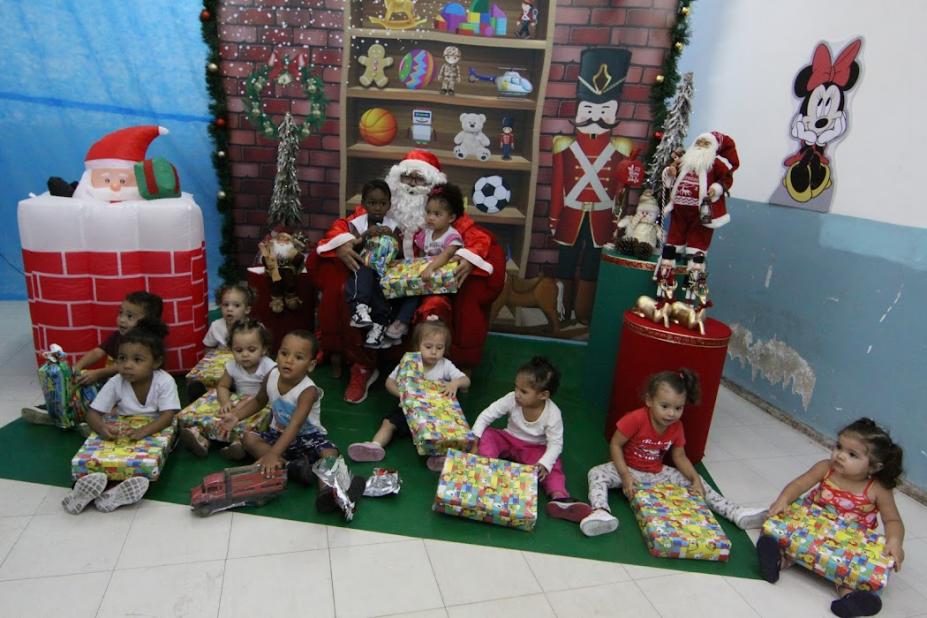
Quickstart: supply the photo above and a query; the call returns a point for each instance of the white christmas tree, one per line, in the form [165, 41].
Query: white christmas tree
[285, 206]
[674, 132]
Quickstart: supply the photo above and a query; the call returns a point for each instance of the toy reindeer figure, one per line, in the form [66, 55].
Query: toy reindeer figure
[652, 309]
[687, 316]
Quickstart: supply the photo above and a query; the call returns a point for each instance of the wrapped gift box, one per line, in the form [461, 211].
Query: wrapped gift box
[403, 278]
[677, 524]
[124, 458]
[204, 415]
[58, 389]
[494, 491]
[210, 368]
[379, 252]
[436, 421]
[842, 551]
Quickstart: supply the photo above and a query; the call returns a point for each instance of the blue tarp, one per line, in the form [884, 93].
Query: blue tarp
[71, 72]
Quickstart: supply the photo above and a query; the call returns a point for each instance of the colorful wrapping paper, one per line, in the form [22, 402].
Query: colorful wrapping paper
[842, 551]
[379, 252]
[124, 458]
[210, 368]
[403, 278]
[57, 388]
[436, 421]
[677, 524]
[491, 490]
[204, 415]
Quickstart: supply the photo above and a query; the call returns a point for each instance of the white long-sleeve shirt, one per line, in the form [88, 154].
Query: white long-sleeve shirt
[547, 429]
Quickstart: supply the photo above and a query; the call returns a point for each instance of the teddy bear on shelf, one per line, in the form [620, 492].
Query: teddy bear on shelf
[642, 232]
[283, 256]
[375, 63]
[450, 70]
[471, 141]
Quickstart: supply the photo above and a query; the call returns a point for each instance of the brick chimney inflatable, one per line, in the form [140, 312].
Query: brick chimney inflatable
[127, 227]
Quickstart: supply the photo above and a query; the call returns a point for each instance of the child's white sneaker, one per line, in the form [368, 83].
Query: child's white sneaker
[86, 490]
[361, 317]
[129, 491]
[748, 518]
[366, 451]
[598, 522]
[374, 336]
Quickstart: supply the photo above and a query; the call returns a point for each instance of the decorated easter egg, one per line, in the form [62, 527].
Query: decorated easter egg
[416, 69]
[377, 126]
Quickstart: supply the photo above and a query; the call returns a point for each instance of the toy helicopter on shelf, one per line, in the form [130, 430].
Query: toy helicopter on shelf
[509, 84]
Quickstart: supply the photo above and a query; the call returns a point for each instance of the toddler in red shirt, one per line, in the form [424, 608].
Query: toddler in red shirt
[638, 446]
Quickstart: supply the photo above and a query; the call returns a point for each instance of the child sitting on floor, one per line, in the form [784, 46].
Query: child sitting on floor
[534, 434]
[855, 483]
[250, 341]
[235, 301]
[296, 438]
[369, 308]
[141, 388]
[431, 338]
[438, 241]
[638, 446]
[135, 307]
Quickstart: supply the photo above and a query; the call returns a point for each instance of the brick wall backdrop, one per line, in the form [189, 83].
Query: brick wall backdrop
[251, 29]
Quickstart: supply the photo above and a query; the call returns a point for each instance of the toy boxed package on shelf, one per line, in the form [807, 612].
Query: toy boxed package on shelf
[677, 524]
[210, 368]
[436, 420]
[403, 278]
[490, 490]
[204, 415]
[124, 458]
[842, 551]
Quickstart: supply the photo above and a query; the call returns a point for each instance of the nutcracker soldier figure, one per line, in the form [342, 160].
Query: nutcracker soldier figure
[585, 182]
[507, 137]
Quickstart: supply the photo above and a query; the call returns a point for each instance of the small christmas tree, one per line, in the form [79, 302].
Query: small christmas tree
[285, 206]
[674, 132]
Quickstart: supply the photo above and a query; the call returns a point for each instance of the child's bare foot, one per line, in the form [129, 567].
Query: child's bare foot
[233, 452]
[194, 441]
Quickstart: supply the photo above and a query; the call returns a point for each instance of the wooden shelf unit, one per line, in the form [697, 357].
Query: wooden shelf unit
[361, 162]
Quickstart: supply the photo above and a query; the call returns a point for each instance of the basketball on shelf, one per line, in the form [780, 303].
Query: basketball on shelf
[416, 69]
[377, 126]
[491, 194]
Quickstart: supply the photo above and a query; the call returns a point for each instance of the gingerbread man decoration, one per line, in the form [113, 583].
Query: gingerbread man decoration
[374, 63]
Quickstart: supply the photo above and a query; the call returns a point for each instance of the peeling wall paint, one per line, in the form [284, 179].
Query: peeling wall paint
[773, 360]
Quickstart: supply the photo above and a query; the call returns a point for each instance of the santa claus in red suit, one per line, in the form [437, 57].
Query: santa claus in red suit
[480, 275]
[699, 180]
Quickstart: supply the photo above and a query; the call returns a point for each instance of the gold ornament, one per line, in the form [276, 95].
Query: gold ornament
[659, 79]
[221, 154]
[684, 10]
[213, 67]
[221, 195]
[678, 46]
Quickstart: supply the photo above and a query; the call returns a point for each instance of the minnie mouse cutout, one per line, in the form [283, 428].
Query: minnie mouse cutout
[822, 118]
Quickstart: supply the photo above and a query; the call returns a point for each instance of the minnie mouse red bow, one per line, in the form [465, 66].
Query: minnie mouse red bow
[822, 71]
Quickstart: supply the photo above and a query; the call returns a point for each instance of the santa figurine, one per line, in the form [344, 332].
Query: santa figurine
[109, 174]
[699, 180]
[283, 256]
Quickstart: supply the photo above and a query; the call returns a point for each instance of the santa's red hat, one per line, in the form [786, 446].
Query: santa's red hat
[726, 149]
[425, 163]
[122, 148]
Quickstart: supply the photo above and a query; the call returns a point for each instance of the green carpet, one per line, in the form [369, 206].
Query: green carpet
[42, 454]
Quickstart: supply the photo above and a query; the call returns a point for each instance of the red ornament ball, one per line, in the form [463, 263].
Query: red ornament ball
[658, 134]
[205, 15]
[220, 122]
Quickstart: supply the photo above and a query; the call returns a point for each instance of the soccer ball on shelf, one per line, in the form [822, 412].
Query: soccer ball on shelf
[491, 194]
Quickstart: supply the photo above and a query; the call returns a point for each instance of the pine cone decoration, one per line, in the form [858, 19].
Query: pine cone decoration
[626, 246]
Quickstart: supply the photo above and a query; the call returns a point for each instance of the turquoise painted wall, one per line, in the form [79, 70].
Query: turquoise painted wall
[849, 296]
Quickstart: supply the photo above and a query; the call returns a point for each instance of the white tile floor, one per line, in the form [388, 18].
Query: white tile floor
[54, 564]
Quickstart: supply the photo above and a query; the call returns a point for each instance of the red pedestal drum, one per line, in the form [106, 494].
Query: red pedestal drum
[282, 323]
[647, 348]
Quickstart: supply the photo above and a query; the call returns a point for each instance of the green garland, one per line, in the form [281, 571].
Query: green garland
[665, 88]
[229, 271]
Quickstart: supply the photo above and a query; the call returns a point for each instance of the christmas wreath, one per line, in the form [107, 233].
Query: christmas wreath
[284, 72]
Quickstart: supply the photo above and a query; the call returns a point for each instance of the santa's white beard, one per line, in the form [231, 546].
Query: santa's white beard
[408, 203]
[283, 250]
[86, 191]
[697, 159]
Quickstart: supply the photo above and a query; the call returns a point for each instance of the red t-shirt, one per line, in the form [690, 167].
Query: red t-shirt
[645, 447]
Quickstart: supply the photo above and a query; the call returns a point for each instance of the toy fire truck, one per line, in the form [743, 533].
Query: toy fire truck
[235, 487]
